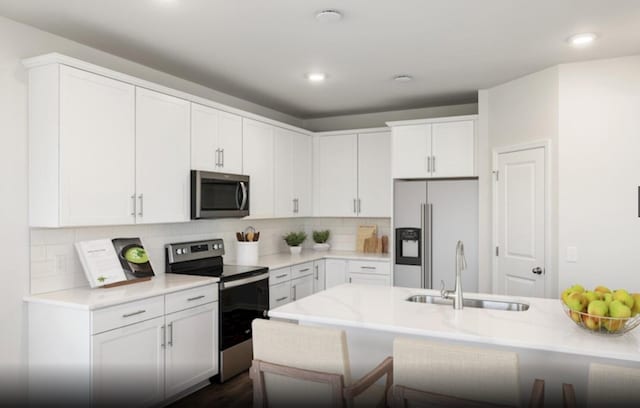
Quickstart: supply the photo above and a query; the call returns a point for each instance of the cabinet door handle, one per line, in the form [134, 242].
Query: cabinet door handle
[295, 292]
[217, 157]
[281, 276]
[303, 270]
[294, 205]
[133, 205]
[359, 206]
[133, 313]
[164, 336]
[281, 299]
[349, 280]
[355, 206]
[368, 267]
[428, 164]
[170, 342]
[222, 161]
[141, 198]
[195, 298]
[317, 273]
[433, 160]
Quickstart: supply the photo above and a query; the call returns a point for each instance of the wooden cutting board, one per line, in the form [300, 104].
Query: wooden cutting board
[365, 232]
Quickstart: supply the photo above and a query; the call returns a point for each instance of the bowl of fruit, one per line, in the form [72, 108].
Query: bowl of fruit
[601, 310]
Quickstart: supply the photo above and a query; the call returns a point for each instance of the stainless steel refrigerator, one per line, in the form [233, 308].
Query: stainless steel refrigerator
[430, 217]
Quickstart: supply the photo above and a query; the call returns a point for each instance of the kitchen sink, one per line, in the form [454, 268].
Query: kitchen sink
[470, 302]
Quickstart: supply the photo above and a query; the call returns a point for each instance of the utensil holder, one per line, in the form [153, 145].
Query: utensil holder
[247, 253]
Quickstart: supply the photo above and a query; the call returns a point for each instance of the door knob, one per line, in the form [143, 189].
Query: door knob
[537, 270]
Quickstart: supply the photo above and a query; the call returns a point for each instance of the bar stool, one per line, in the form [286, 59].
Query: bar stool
[608, 386]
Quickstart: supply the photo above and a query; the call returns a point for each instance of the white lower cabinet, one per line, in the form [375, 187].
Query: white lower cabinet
[319, 280]
[301, 287]
[139, 353]
[369, 279]
[369, 272]
[335, 272]
[191, 347]
[279, 294]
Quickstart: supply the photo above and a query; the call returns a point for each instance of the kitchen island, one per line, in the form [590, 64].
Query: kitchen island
[549, 345]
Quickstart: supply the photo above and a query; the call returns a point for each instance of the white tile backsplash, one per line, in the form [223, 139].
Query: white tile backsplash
[55, 265]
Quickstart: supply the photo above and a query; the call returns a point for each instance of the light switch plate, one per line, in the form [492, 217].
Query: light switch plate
[572, 254]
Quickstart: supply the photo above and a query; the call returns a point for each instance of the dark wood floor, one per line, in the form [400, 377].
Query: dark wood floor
[235, 393]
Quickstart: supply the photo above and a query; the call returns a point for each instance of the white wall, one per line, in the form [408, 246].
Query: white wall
[517, 112]
[379, 119]
[600, 172]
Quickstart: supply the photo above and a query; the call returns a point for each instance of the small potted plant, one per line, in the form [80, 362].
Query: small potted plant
[320, 238]
[294, 240]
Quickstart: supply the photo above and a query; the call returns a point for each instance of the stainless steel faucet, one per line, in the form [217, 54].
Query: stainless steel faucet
[461, 264]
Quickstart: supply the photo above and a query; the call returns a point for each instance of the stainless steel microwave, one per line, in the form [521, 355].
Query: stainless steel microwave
[219, 195]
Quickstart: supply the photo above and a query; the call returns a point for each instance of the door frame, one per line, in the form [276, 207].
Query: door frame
[549, 273]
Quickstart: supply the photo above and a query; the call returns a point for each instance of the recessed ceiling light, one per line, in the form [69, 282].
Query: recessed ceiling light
[582, 40]
[402, 78]
[316, 76]
[328, 16]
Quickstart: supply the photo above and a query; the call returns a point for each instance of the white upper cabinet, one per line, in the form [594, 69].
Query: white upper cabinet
[162, 157]
[293, 180]
[453, 147]
[352, 175]
[216, 140]
[258, 164]
[374, 174]
[336, 175]
[434, 148]
[97, 151]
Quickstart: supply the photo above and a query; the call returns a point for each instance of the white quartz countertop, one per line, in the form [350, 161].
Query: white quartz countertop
[543, 327]
[284, 260]
[91, 299]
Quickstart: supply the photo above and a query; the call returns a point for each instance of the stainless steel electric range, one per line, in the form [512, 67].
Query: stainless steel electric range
[243, 297]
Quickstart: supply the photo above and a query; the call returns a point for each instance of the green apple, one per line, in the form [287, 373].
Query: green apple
[592, 296]
[565, 295]
[624, 297]
[608, 297]
[598, 308]
[602, 289]
[577, 288]
[636, 304]
[576, 302]
[618, 309]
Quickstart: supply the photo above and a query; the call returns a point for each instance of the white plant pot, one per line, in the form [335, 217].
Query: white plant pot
[295, 250]
[321, 247]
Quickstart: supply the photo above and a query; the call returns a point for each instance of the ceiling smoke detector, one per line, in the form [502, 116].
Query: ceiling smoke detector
[402, 78]
[328, 16]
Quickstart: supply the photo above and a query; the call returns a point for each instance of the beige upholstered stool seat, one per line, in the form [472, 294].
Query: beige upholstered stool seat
[309, 366]
[453, 375]
[608, 386]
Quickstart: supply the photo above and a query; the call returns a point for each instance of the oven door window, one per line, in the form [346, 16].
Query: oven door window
[239, 306]
[217, 195]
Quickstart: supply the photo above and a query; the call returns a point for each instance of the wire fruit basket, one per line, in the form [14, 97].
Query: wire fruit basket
[608, 326]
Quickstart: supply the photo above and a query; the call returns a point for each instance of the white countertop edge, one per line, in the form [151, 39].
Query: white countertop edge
[45, 298]
[285, 260]
[448, 336]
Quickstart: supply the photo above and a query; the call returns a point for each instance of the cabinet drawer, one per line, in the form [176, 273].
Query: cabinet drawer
[123, 315]
[301, 270]
[191, 297]
[374, 267]
[277, 276]
[279, 295]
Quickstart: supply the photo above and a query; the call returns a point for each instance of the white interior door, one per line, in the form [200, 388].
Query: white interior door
[521, 223]
[374, 175]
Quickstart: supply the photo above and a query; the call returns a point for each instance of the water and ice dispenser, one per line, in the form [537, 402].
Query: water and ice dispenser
[408, 246]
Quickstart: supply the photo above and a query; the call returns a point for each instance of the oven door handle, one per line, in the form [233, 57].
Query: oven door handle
[239, 282]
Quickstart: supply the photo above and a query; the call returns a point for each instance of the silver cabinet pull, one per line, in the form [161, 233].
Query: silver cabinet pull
[164, 336]
[294, 205]
[281, 299]
[428, 164]
[303, 270]
[355, 208]
[222, 161]
[217, 157]
[317, 273]
[133, 313]
[349, 280]
[368, 267]
[141, 211]
[133, 205]
[195, 298]
[170, 342]
[359, 206]
[433, 161]
[281, 276]
[295, 292]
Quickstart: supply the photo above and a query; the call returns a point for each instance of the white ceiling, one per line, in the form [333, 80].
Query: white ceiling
[260, 50]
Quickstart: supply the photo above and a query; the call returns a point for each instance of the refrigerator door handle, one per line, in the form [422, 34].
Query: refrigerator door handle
[429, 246]
[423, 233]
